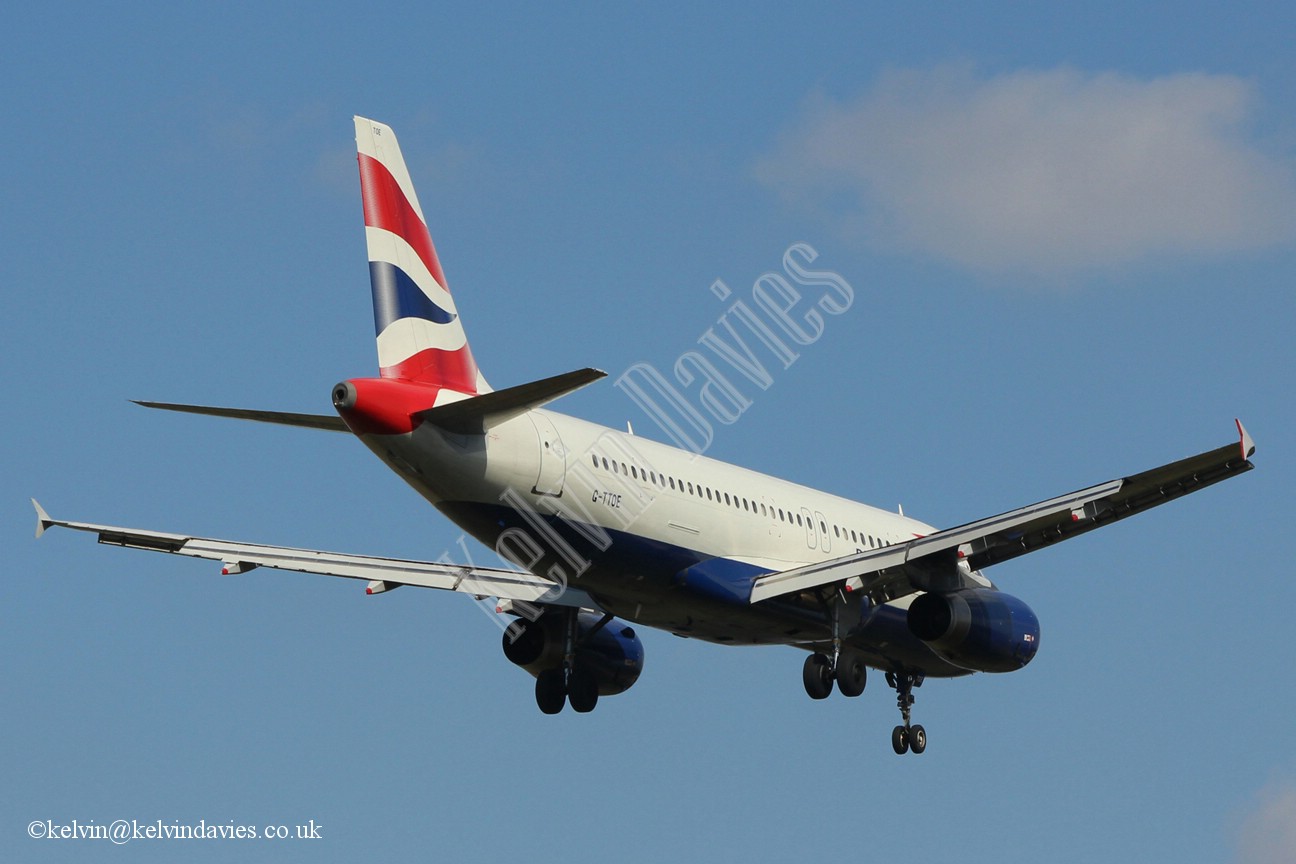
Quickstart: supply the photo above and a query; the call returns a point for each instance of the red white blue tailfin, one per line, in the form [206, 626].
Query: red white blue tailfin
[420, 335]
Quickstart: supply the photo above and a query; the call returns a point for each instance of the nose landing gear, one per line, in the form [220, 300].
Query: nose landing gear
[907, 737]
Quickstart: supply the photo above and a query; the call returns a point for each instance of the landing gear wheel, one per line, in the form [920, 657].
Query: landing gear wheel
[917, 739]
[900, 740]
[551, 691]
[582, 691]
[851, 674]
[817, 676]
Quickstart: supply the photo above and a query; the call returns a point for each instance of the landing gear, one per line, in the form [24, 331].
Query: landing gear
[843, 665]
[907, 737]
[569, 683]
[557, 687]
[820, 672]
[904, 739]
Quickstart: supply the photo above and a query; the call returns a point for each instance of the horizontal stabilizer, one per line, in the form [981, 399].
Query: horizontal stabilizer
[331, 422]
[473, 415]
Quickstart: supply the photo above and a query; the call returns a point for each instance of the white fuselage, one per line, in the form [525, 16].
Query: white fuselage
[659, 535]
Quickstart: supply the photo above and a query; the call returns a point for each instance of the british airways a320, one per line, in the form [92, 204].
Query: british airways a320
[610, 531]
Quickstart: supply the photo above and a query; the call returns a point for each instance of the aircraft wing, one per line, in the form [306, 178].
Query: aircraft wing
[235, 557]
[932, 562]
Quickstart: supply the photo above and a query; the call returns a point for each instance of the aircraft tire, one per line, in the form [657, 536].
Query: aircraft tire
[851, 674]
[917, 739]
[816, 675]
[551, 691]
[582, 691]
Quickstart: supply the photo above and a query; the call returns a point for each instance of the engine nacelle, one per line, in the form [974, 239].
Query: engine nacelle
[614, 655]
[977, 629]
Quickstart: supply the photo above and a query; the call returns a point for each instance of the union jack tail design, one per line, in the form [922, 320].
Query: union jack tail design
[420, 335]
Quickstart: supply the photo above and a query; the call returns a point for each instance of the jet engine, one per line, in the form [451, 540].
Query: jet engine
[612, 653]
[976, 629]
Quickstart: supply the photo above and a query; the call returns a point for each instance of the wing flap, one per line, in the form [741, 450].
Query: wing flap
[516, 585]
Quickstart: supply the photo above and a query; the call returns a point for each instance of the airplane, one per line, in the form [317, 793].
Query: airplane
[609, 531]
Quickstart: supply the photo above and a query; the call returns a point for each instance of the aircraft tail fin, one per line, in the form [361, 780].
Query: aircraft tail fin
[420, 334]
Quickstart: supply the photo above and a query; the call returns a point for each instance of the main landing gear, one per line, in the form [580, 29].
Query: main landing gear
[843, 666]
[905, 738]
[569, 683]
[820, 672]
[557, 687]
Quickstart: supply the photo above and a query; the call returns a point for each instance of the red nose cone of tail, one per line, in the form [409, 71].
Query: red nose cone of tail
[382, 406]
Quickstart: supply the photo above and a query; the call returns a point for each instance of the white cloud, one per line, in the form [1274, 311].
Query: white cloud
[1041, 172]
[1268, 832]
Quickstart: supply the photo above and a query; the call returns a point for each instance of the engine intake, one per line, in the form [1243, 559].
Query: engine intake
[976, 629]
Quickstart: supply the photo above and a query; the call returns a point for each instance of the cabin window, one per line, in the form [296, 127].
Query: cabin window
[708, 491]
[726, 497]
[799, 522]
[672, 482]
[595, 458]
[836, 532]
[764, 512]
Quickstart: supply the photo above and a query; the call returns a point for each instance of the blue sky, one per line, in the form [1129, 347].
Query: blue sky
[1070, 235]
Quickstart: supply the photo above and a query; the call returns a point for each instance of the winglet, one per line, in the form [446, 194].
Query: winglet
[43, 519]
[1248, 446]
